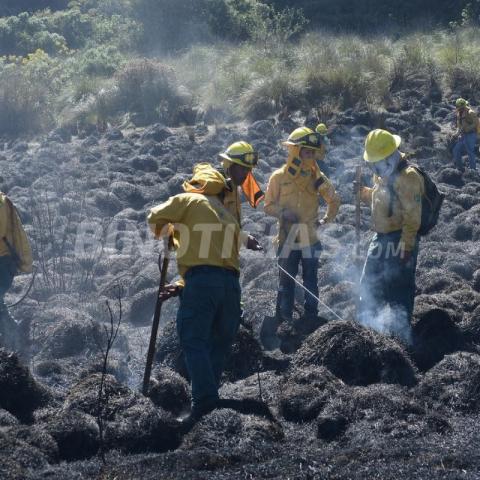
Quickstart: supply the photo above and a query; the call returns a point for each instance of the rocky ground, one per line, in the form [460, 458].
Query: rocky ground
[347, 402]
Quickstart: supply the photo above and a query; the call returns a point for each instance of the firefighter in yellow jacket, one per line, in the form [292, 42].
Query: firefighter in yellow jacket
[15, 257]
[239, 160]
[207, 242]
[292, 196]
[467, 124]
[388, 277]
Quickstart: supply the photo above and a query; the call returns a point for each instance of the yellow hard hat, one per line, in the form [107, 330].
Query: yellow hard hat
[321, 129]
[379, 145]
[241, 153]
[304, 137]
[461, 102]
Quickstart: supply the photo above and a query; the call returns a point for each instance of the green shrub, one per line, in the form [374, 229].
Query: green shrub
[343, 69]
[456, 53]
[95, 102]
[104, 7]
[270, 95]
[230, 19]
[28, 89]
[241, 20]
[103, 60]
[413, 57]
[61, 31]
[148, 89]
[75, 27]
[27, 33]
[273, 29]
[117, 30]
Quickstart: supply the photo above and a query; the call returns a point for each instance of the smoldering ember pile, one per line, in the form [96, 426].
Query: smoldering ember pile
[291, 296]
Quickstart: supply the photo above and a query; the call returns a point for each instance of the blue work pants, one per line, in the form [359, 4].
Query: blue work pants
[290, 261]
[386, 280]
[466, 142]
[207, 322]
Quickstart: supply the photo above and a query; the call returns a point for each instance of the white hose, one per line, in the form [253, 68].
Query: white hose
[308, 291]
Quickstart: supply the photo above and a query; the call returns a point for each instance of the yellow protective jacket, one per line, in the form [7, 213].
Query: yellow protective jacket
[206, 233]
[12, 230]
[409, 188]
[233, 203]
[283, 193]
[467, 120]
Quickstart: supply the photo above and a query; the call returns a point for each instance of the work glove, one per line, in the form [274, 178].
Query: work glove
[289, 216]
[253, 244]
[169, 291]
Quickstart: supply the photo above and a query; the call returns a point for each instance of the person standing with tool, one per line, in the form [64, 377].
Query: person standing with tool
[466, 134]
[207, 242]
[15, 258]
[292, 196]
[388, 277]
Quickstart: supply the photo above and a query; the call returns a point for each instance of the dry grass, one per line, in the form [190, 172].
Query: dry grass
[254, 81]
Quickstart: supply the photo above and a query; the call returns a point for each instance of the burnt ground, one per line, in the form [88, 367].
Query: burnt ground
[345, 401]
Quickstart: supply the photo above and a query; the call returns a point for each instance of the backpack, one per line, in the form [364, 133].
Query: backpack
[432, 199]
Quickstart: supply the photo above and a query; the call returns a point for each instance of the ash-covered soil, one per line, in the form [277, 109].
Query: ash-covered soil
[347, 402]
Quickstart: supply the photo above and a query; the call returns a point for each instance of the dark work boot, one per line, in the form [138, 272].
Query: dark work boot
[195, 415]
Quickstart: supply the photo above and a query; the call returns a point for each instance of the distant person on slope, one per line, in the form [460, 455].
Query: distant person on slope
[15, 257]
[320, 154]
[239, 159]
[388, 277]
[207, 241]
[467, 124]
[293, 195]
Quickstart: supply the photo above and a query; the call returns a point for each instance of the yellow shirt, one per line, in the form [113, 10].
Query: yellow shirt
[467, 121]
[11, 228]
[284, 194]
[409, 188]
[207, 233]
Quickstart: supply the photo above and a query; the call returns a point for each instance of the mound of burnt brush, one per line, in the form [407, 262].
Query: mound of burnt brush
[356, 355]
[132, 422]
[226, 437]
[170, 391]
[454, 383]
[20, 393]
[434, 335]
[366, 413]
[304, 391]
